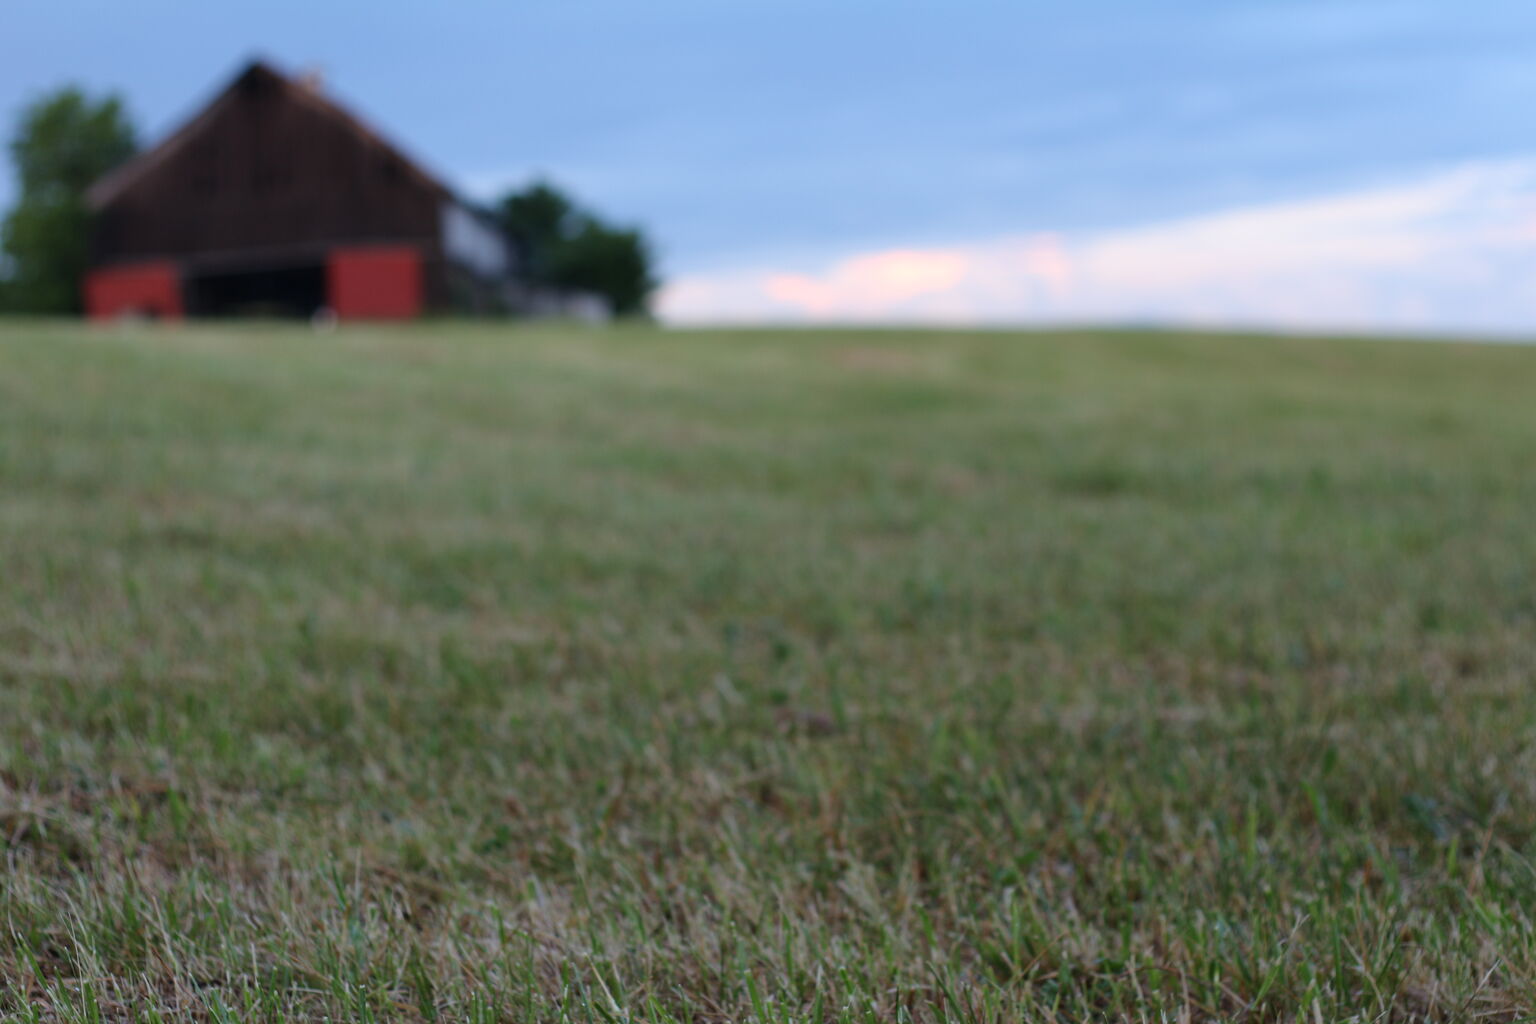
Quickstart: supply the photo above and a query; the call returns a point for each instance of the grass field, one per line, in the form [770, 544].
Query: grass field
[515, 674]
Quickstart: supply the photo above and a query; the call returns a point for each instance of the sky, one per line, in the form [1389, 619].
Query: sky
[1297, 164]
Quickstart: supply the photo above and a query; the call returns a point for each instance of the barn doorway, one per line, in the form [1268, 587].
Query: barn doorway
[292, 291]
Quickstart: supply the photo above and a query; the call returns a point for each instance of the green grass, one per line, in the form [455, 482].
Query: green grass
[514, 674]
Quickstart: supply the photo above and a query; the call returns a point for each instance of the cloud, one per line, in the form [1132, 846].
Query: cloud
[873, 282]
[1452, 251]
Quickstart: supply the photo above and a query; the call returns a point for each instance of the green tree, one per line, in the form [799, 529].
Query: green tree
[613, 262]
[63, 143]
[537, 220]
[563, 246]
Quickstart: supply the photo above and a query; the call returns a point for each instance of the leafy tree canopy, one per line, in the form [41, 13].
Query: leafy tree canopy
[63, 142]
[537, 219]
[564, 246]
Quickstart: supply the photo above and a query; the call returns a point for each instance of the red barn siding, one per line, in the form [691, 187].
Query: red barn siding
[147, 289]
[375, 282]
[250, 198]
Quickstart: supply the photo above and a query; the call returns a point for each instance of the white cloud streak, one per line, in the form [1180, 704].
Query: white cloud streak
[1454, 251]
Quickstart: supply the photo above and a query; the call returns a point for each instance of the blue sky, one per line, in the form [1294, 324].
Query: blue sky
[959, 161]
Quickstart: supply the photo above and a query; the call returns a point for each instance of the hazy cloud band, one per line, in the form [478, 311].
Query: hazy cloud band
[1454, 251]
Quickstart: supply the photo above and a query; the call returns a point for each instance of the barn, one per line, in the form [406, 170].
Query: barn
[275, 200]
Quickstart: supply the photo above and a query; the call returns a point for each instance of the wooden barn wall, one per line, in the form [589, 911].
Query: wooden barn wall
[269, 172]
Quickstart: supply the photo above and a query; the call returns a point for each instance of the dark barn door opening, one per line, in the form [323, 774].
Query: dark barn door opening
[282, 292]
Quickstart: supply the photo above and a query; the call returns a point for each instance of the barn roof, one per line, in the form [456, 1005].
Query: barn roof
[118, 181]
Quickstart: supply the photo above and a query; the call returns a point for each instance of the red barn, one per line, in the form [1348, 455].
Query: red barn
[274, 200]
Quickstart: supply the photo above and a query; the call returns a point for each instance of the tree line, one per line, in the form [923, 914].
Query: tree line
[66, 140]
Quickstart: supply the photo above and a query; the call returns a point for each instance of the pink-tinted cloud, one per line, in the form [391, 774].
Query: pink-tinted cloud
[872, 283]
[1453, 250]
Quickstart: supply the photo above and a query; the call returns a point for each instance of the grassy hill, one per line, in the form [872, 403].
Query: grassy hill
[473, 673]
